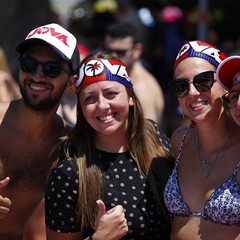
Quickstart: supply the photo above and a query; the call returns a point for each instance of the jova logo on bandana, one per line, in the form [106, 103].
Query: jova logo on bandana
[100, 69]
[202, 50]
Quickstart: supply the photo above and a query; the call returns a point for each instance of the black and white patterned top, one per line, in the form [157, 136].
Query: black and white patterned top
[123, 185]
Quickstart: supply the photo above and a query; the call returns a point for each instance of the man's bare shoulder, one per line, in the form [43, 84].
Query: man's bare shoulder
[3, 109]
[9, 89]
[142, 78]
[149, 93]
[147, 86]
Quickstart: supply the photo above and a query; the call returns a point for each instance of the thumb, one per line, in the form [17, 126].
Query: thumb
[101, 209]
[4, 182]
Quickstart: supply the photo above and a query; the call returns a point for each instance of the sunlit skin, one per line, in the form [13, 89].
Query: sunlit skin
[105, 106]
[199, 106]
[27, 136]
[40, 91]
[235, 111]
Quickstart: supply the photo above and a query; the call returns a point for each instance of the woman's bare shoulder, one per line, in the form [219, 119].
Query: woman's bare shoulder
[177, 136]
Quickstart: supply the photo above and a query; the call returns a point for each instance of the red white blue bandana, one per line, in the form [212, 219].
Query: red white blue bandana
[201, 50]
[99, 69]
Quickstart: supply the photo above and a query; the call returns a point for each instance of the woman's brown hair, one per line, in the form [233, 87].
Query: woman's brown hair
[144, 146]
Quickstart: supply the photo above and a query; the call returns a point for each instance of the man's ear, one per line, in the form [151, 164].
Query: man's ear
[72, 82]
[138, 50]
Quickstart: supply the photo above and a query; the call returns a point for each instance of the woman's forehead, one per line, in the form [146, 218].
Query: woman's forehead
[193, 65]
[103, 85]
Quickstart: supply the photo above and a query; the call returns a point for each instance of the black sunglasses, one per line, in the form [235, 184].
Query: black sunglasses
[50, 69]
[119, 53]
[231, 98]
[202, 82]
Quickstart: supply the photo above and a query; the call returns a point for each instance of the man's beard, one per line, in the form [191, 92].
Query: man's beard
[43, 106]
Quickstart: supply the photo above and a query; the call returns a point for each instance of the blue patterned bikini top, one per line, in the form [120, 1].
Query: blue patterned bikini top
[223, 206]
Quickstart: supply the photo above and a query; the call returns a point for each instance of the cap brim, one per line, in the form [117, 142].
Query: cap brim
[21, 48]
[226, 70]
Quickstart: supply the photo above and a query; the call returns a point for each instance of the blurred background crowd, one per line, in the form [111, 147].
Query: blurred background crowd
[164, 26]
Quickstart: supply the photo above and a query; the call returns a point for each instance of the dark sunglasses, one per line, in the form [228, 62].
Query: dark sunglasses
[231, 98]
[50, 69]
[119, 53]
[202, 82]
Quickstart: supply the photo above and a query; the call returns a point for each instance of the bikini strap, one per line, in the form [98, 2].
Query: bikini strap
[237, 168]
[181, 146]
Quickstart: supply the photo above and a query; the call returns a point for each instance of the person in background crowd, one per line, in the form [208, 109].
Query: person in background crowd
[8, 87]
[228, 75]
[49, 63]
[115, 163]
[203, 192]
[121, 39]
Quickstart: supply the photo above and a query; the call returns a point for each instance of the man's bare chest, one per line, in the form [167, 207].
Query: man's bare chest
[27, 163]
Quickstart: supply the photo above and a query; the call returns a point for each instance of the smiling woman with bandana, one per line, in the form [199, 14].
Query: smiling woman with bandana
[203, 192]
[115, 164]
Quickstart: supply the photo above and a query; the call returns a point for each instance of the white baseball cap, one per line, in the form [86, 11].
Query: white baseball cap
[228, 72]
[63, 43]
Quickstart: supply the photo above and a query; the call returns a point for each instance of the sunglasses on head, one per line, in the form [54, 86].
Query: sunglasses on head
[202, 82]
[50, 69]
[231, 98]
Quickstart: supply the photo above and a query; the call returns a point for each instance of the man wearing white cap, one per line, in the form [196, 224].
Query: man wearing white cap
[228, 75]
[30, 127]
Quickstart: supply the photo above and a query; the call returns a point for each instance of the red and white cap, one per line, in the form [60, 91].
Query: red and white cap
[228, 72]
[58, 38]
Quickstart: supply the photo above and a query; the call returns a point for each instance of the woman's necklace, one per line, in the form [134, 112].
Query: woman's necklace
[207, 165]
